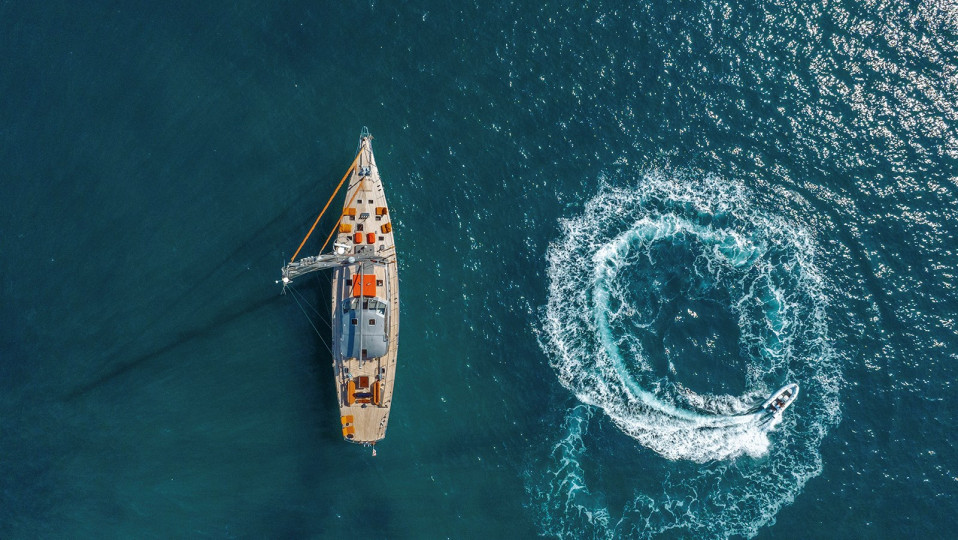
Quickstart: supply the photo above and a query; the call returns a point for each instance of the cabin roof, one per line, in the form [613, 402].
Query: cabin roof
[364, 328]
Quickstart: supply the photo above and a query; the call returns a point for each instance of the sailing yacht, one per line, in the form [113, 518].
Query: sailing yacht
[365, 299]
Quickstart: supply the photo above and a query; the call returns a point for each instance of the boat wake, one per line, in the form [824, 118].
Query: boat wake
[675, 306]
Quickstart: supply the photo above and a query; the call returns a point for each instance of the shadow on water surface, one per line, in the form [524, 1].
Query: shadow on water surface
[255, 300]
[182, 339]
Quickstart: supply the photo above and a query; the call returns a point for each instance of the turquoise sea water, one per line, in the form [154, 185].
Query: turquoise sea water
[619, 227]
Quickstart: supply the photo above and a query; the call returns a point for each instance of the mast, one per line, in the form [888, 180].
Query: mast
[322, 262]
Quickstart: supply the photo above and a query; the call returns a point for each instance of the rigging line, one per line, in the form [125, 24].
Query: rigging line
[328, 348]
[341, 182]
[336, 226]
[303, 298]
[316, 311]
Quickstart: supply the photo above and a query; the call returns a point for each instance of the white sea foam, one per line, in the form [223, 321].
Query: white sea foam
[766, 269]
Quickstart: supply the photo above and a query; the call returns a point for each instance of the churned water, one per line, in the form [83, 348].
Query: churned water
[620, 228]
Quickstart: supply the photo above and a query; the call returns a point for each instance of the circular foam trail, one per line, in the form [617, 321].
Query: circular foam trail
[631, 280]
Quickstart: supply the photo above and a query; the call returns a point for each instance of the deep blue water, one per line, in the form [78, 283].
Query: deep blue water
[619, 228]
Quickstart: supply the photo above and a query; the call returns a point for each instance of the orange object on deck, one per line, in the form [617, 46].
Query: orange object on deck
[376, 395]
[387, 227]
[370, 238]
[366, 287]
[381, 210]
[348, 432]
[345, 228]
[349, 211]
[346, 420]
[350, 390]
[358, 238]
